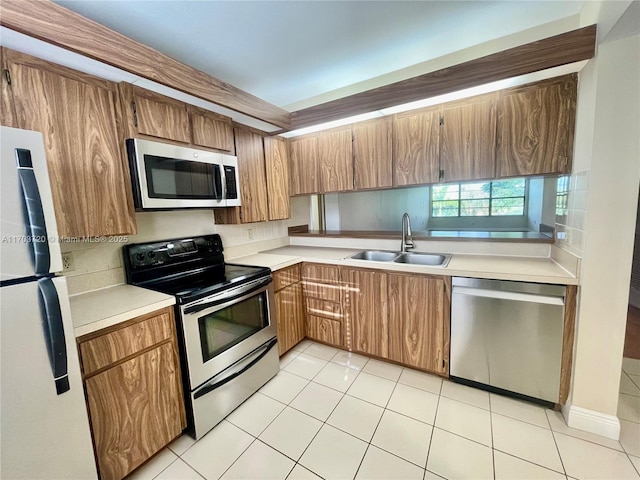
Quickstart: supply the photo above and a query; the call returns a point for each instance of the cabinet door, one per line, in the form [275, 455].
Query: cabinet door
[211, 130]
[417, 313]
[535, 128]
[324, 330]
[135, 410]
[303, 157]
[159, 116]
[253, 188]
[366, 310]
[276, 159]
[372, 154]
[416, 147]
[336, 160]
[77, 114]
[290, 317]
[468, 142]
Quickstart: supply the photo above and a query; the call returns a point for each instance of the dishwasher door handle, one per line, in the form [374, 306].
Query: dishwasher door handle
[514, 296]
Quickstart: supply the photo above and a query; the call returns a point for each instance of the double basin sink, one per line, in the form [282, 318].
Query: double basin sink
[412, 258]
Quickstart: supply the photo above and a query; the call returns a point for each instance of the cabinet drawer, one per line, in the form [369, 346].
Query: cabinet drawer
[321, 308]
[323, 282]
[109, 348]
[285, 277]
[325, 330]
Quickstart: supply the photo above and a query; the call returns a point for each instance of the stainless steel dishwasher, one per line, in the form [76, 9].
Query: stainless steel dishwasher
[506, 337]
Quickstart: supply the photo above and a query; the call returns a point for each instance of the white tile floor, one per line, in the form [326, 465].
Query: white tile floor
[334, 415]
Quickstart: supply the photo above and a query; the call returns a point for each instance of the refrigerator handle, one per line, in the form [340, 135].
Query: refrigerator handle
[33, 205]
[54, 333]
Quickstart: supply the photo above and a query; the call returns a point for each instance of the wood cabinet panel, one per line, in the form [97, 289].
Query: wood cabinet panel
[416, 318]
[77, 114]
[290, 315]
[211, 130]
[416, 147]
[159, 116]
[135, 410]
[330, 310]
[372, 154]
[322, 282]
[303, 159]
[106, 349]
[324, 330]
[336, 160]
[285, 277]
[253, 190]
[366, 307]
[276, 159]
[536, 125]
[468, 139]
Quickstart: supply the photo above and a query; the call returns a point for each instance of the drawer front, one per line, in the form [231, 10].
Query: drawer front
[323, 282]
[324, 330]
[285, 277]
[109, 348]
[321, 308]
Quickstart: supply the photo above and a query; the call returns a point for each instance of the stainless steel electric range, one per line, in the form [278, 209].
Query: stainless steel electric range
[225, 321]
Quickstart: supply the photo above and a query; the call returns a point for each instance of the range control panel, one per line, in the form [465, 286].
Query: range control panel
[167, 252]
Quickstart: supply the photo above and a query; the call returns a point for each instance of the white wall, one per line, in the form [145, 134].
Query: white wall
[608, 148]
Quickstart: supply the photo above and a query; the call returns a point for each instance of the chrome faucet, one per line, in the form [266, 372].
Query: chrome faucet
[407, 241]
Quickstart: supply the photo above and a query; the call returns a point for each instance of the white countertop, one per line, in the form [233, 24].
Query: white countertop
[98, 309]
[499, 267]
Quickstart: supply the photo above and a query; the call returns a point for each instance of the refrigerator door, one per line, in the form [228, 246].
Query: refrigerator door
[29, 245]
[45, 426]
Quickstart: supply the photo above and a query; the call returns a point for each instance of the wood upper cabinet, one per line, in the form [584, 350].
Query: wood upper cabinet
[536, 126]
[336, 160]
[253, 179]
[416, 147]
[303, 158]
[372, 150]
[155, 115]
[211, 130]
[77, 114]
[289, 308]
[366, 310]
[468, 139]
[419, 321]
[134, 391]
[276, 159]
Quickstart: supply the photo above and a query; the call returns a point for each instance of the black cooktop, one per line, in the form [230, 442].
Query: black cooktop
[190, 268]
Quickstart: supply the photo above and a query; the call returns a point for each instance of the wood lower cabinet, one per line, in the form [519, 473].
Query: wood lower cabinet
[134, 393]
[419, 311]
[416, 147]
[536, 126]
[372, 154]
[366, 310]
[290, 312]
[77, 114]
[323, 295]
[303, 159]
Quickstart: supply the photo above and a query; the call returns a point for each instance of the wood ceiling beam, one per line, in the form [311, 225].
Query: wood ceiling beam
[562, 49]
[57, 25]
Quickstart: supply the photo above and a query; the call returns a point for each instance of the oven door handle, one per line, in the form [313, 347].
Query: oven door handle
[229, 296]
[240, 367]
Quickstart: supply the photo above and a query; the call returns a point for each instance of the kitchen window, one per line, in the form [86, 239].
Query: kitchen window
[479, 199]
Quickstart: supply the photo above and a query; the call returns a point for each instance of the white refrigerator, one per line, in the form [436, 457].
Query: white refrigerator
[44, 426]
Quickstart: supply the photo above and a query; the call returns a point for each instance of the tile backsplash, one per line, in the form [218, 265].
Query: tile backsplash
[571, 211]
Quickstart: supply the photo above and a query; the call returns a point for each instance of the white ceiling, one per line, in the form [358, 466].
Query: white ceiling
[288, 51]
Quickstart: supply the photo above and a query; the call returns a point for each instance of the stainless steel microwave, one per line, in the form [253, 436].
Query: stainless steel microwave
[168, 176]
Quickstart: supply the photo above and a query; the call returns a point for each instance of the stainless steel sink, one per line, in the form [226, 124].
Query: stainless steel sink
[413, 258]
[430, 259]
[376, 256]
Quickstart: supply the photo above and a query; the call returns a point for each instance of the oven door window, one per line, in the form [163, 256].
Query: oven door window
[227, 327]
[182, 179]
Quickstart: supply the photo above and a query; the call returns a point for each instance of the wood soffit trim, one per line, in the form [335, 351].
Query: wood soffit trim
[57, 25]
[569, 47]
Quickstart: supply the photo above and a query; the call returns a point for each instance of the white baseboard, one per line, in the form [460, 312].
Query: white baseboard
[592, 421]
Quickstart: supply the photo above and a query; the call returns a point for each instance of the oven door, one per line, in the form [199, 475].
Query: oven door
[222, 329]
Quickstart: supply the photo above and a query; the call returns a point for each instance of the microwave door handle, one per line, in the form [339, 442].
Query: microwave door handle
[217, 183]
[34, 212]
[54, 333]
[224, 183]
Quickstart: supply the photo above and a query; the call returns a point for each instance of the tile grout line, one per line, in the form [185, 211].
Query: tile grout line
[555, 442]
[433, 429]
[493, 444]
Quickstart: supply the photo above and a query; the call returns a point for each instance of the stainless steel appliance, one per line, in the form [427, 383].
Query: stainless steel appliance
[225, 319]
[45, 427]
[507, 336]
[167, 176]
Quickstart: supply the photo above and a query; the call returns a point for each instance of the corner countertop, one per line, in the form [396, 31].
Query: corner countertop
[98, 309]
[498, 267]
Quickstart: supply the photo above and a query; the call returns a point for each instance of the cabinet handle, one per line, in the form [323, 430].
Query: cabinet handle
[7, 76]
[135, 114]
